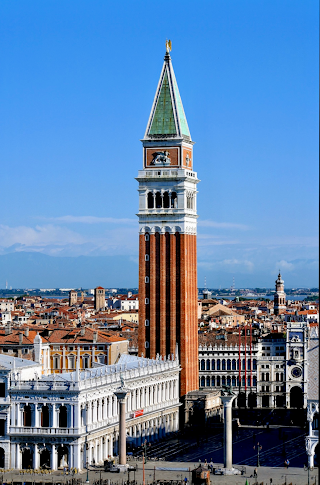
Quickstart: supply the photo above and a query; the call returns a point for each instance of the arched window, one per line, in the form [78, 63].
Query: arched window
[45, 417]
[254, 380]
[218, 364]
[158, 200]
[218, 381]
[277, 377]
[223, 364]
[267, 376]
[281, 377]
[254, 364]
[208, 381]
[243, 364]
[237, 364]
[150, 200]
[249, 364]
[234, 381]
[228, 364]
[208, 364]
[234, 364]
[243, 381]
[223, 380]
[27, 416]
[213, 364]
[228, 381]
[166, 201]
[63, 417]
[262, 376]
[202, 364]
[202, 382]
[213, 381]
[173, 200]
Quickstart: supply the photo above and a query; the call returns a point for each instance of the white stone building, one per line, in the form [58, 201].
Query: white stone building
[71, 419]
[296, 365]
[312, 438]
[6, 305]
[273, 371]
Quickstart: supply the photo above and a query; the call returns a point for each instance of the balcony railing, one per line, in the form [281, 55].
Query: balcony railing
[22, 430]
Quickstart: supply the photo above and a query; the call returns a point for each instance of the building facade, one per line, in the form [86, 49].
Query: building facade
[296, 364]
[312, 438]
[71, 420]
[267, 372]
[167, 240]
[230, 361]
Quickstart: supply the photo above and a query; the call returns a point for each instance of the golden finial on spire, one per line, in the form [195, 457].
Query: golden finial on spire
[168, 46]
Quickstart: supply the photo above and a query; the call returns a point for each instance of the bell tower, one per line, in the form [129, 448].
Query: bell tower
[279, 296]
[167, 234]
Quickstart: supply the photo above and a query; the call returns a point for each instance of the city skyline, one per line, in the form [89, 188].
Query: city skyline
[76, 98]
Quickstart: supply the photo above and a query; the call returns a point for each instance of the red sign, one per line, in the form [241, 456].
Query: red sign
[136, 414]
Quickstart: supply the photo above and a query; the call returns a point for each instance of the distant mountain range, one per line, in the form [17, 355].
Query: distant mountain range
[37, 270]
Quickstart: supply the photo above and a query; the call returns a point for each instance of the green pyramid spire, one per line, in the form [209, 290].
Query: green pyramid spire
[163, 120]
[167, 114]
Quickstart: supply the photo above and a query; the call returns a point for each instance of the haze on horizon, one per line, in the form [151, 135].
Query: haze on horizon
[77, 86]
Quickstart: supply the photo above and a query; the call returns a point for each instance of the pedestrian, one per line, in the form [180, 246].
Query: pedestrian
[255, 473]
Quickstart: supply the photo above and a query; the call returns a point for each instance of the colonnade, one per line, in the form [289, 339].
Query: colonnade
[45, 415]
[100, 409]
[29, 454]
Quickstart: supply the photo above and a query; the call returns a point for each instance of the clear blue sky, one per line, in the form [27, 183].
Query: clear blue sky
[77, 82]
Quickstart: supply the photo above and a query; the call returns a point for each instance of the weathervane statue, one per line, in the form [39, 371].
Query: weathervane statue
[168, 46]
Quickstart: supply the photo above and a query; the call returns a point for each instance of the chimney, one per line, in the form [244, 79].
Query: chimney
[8, 330]
[20, 338]
[26, 331]
[82, 331]
[95, 337]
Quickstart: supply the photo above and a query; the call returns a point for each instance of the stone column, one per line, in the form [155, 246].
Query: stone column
[121, 396]
[227, 411]
[53, 457]
[36, 457]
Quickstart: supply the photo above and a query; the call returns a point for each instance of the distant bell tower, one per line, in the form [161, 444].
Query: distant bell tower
[73, 297]
[279, 296]
[168, 226]
[99, 298]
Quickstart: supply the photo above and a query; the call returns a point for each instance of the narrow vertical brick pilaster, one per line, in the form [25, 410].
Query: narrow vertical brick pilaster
[142, 296]
[163, 278]
[183, 295]
[173, 293]
[153, 296]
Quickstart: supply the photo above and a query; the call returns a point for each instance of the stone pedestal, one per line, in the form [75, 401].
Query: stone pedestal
[121, 396]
